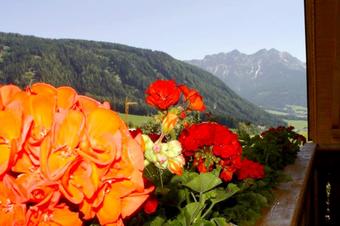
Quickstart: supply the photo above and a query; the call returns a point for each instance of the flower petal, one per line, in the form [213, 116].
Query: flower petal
[66, 97]
[23, 164]
[14, 214]
[11, 123]
[43, 89]
[110, 210]
[87, 104]
[6, 155]
[101, 122]
[7, 92]
[87, 210]
[102, 126]
[58, 162]
[81, 179]
[69, 131]
[42, 109]
[63, 216]
[132, 202]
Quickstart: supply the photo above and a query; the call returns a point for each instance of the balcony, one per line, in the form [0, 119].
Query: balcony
[312, 197]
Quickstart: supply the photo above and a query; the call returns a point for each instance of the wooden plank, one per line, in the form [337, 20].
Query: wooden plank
[311, 68]
[336, 78]
[287, 208]
[336, 133]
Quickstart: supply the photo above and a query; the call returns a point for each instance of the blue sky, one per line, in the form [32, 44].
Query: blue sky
[186, 29]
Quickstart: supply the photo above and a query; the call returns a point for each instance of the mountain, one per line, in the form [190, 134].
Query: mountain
[113, 72]
[268, 78]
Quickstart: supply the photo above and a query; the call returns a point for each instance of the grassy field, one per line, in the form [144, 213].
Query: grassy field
[134, 120]
[290, 110]
[298, 110]
[276, 112]
[301, 126]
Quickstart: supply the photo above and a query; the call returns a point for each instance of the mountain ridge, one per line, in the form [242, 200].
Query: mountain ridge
[269, 78]
[110, 71]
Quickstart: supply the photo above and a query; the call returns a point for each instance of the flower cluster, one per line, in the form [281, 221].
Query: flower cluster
[275, 147]
[250, 169]
[178, 141]
[63, 154]
[163, 94]
[213, 145]
[288, 131]
[164, 155]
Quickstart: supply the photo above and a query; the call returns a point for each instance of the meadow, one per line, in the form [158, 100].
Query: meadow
[134, 120]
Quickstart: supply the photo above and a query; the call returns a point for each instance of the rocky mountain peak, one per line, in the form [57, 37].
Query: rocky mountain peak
[269, 78]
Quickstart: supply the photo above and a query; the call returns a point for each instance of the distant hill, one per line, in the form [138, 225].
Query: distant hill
[113, 72]
[268, 78]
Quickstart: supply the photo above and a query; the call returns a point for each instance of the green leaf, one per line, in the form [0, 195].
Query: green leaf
[203, 182]
[232, 189]
[220, 221]
[156, 221]
[202, 222]
[175, 222]
[184, 178]
[191, 212]
[220, 194]
[181, 195]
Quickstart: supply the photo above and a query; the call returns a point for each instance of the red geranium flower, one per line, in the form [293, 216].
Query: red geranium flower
[226, 174]
[250, 169]
[203, 165]
[151, 204]
[163, 94]
[210, 140]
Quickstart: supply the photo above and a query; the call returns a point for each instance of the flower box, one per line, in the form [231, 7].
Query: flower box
[68, 159]
[291, 205]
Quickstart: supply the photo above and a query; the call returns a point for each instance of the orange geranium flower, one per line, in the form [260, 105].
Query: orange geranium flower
[102, 140]
[169, 122]
[193, 97]
[60, 215]
[57, 148]
[12, 202]
[58, 152]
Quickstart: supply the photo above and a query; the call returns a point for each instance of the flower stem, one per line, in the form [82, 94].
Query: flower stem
[193, 196]
[208, 210]
[160, 177]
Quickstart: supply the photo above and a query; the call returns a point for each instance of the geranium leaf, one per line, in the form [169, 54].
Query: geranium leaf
[175, 222]
[232, 189]
[184, 178]
[181, 197]
[220, 194]
[220, 221]
[203, 182]
[157, 221]
[192, 211]
[202, 222]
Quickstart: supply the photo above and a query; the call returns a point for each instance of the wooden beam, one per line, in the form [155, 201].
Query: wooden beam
[311, 69]
[336, 77]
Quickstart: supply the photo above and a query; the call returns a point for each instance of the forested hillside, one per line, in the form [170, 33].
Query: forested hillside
[112, 72]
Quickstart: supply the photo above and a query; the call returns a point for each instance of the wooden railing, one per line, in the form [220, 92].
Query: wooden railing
[294, 200]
